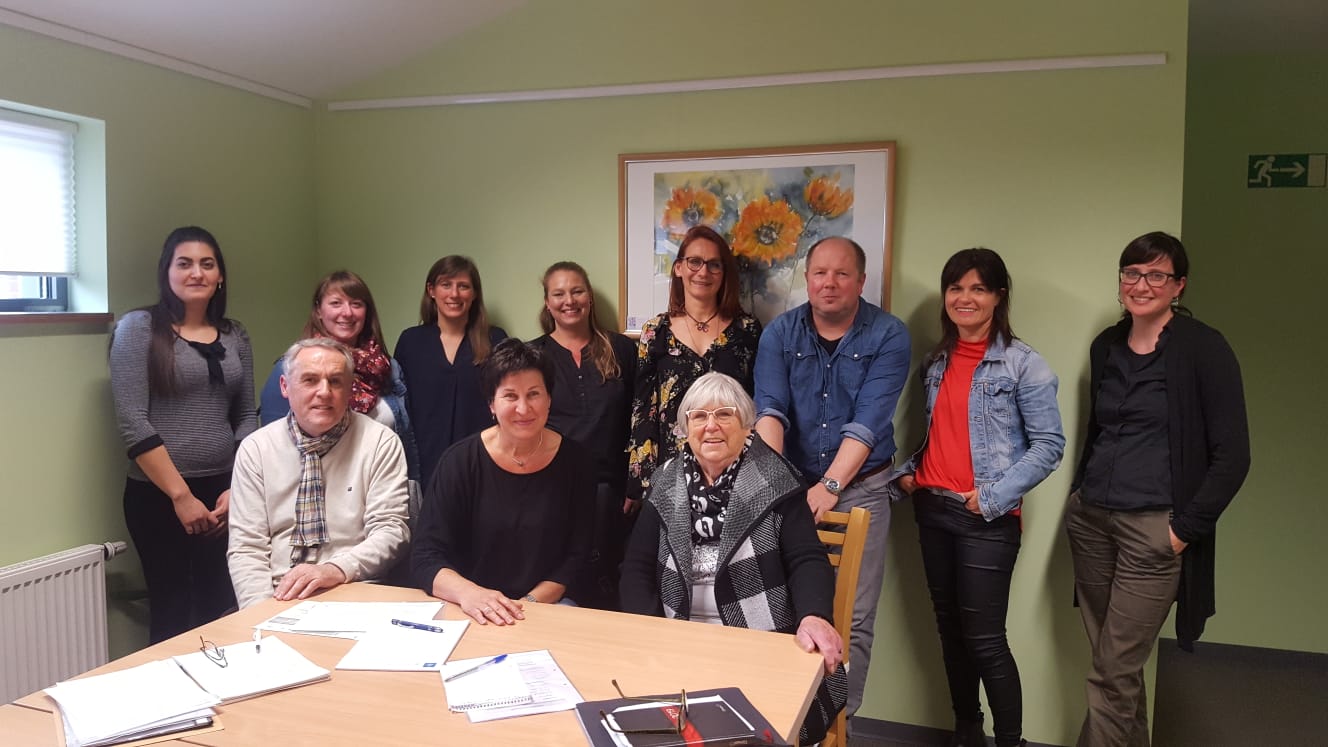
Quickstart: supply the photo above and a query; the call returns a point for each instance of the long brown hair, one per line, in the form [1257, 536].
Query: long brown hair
[169, 309]
[727, 300]
[477, 320]
[601, 349]
[351, 286]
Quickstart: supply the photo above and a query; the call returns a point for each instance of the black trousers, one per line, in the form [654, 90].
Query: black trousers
[969, 562]
[609, 536]
[188, 582]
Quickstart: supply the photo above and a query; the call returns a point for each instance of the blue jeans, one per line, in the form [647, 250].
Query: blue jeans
[873, 494]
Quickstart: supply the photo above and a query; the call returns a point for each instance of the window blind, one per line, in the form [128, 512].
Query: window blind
[36, 195]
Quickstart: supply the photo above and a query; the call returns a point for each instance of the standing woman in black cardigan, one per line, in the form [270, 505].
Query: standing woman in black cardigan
[1166, 450]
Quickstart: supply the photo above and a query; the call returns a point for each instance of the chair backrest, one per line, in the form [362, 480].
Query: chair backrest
[845, 550]
[844, 546]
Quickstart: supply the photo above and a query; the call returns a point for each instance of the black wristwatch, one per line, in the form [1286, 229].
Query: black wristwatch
[832, 486]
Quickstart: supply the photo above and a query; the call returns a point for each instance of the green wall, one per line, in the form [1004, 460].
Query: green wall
[1056, 170]
[179, 150]
[1257, 256]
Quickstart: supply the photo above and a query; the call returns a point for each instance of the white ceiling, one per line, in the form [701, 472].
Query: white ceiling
[309, 48]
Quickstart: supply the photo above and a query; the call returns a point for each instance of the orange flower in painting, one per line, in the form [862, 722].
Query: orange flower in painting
[767, 231]
[826, 199]
[688, 207]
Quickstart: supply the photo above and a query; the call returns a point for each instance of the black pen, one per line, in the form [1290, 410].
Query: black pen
[418, 626]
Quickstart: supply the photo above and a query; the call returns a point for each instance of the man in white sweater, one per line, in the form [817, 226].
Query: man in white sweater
[318, 498]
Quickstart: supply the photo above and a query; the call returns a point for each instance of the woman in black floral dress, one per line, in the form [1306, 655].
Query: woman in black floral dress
[704, 330]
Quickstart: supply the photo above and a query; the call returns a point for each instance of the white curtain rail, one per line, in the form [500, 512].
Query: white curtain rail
[763, 81]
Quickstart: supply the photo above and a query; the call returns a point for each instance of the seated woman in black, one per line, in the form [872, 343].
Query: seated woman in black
[508, 516]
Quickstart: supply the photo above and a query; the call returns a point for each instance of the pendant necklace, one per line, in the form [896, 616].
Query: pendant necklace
[701, 326]
[522, 462]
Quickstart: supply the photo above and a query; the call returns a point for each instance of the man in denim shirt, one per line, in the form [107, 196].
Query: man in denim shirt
[828, 377]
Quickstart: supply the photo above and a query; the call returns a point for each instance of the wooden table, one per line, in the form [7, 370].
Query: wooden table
[646, 655]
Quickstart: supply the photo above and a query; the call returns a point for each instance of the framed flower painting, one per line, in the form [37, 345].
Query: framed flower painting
[770, 204]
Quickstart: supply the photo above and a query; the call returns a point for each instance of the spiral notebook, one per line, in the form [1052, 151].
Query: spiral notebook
[497, 686]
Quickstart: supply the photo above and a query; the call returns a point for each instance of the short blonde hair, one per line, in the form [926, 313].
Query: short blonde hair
[719, 390]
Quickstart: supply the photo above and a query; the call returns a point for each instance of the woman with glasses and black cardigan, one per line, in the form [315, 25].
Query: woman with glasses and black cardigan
[704, 330]
[1166, 450]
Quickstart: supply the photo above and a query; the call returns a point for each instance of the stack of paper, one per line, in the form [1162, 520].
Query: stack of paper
[345, 619]
[148, 700]
[522, 685]
[252, 669]
[398, 648]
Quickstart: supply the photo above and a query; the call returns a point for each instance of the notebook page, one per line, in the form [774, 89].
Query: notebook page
[492, 687]
[249, 671]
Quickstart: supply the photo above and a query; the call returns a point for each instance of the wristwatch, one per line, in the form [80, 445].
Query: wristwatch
[832, 485]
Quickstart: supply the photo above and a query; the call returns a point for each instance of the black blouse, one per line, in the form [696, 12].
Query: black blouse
[591, 410]
[443, 397]
[504, 530]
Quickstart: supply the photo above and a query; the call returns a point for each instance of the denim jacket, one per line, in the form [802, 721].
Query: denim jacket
[1014, 424]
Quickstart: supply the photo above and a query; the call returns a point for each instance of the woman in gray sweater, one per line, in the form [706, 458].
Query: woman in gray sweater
[183, 380]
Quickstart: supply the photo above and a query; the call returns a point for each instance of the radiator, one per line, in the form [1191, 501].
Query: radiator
[53, 618]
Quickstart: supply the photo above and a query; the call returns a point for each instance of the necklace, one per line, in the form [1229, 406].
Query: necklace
[522, 462]
[701, 326]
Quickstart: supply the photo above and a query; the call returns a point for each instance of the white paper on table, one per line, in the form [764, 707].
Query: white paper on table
[159, 692]
[252, 670]
[393, 648]
[550, 689]
[346, 619]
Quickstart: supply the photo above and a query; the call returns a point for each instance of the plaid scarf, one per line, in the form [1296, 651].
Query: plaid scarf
[310, 503]
[709, 503]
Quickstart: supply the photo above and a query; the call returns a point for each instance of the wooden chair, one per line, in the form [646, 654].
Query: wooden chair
[845, 551]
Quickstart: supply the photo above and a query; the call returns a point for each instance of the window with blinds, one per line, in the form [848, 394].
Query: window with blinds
[38, 247]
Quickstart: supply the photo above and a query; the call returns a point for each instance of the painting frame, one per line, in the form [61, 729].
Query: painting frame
[648, 221]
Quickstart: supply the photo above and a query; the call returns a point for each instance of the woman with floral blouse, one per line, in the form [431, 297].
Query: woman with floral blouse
[704, 330]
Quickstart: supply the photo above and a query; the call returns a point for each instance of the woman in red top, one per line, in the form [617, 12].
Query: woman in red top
[994, 432]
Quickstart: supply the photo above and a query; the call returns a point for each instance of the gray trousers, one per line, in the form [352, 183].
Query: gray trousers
[1125, 576]
[872, 494]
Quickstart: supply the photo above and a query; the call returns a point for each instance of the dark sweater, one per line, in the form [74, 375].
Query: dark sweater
[503, 530]
[1210, 449]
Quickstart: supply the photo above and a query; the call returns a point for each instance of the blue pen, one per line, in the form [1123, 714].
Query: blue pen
[418, 626]
[478, 667]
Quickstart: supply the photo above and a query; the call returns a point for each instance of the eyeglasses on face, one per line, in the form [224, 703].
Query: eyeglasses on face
[215, 655]
[677, 716]
[722, 416]
[696, 263]
[1155, 279]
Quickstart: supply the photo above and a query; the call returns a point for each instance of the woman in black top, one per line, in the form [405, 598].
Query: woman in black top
[594, 371]
[1166, 450]
[510, 515]
[440, 359]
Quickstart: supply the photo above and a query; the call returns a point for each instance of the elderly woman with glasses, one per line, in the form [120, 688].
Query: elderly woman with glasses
[726, 537]
[1166, 450]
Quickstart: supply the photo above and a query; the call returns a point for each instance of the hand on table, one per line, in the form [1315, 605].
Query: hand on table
[486, 606]
[306, 578]
[816, 634]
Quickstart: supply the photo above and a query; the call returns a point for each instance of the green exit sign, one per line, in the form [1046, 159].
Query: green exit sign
[1269, 170]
